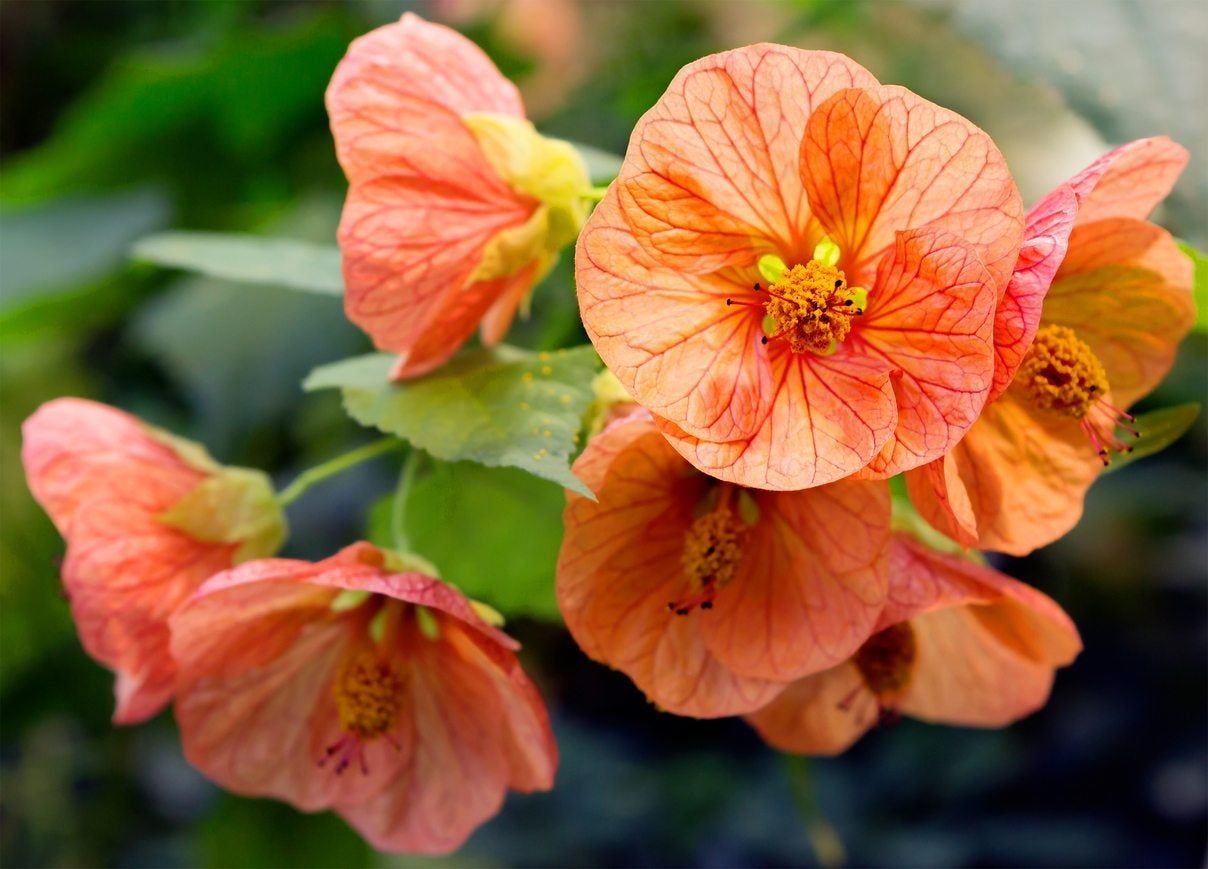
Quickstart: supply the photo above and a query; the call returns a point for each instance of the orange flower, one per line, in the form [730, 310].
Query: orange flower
[797, 269]
[1118, 306]
[147, 518]
[709, 596]
[362, 686]
[957, 644]
[456, 206]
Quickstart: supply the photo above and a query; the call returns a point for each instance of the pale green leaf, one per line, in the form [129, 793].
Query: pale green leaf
[1159, 429]
[253, 259]
[497, 407]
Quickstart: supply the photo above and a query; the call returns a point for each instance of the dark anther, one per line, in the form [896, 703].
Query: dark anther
[729, 301]
[1093, 387]
[838, 283]
[706, 605]
[710, 551]
[763, 340]
[756, 287]
[849, 303]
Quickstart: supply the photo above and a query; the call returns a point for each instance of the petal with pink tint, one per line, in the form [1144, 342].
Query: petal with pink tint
[620, 566]
[812, 585]
[823, 714]
[709, 179]
[931, 319]
[1125, 289]
[876, 161]
[1129, 181]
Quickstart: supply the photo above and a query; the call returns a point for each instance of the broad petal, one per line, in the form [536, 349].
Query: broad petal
[987, 644]
[1046, 239]
[877, 161]
[931, 319]
[74, 449]
[708, 179]
[1125, 289]
[620, 565]
[829, 416]
[1129, 181]
[125, 573]
[941, 496]
[823, 714]
[812, 585]
[469, 710]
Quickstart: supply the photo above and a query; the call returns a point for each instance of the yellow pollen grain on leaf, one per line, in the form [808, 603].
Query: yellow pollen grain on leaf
[527, 377]
[368, 695]
[812, 307]
[886, 660]
[713, 548]
[1060, 373]
[546, 371]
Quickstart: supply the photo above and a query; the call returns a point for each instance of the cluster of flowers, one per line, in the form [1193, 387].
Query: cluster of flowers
[803, 283]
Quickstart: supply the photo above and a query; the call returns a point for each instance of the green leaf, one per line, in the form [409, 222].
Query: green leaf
[282, 262]
[1199, 285]
[492, 532]
[1159, 429]
[497, 407]
[602, 166]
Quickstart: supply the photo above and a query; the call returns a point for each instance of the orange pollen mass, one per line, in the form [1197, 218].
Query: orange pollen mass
[368, 695]
[1061, 373]
[711, 556]
[812, 307]
[886, 660]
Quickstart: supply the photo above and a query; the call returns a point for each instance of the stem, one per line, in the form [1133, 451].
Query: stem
[330, 468]
[823, 838]
[398, 510]
[596, 193]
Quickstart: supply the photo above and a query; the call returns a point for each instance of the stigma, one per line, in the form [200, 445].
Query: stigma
[711, 556]
[368, 694]
[1061, 374]
[808, 306]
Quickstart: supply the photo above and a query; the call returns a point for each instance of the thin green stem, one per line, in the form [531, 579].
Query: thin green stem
[398, 508]
[595, 193]
[823, 838]
[330, 468]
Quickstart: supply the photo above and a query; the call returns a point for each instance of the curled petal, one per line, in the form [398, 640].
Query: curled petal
[876, 161]
[1129, 181]
[708, 179]
[931, 320]
[823, 714]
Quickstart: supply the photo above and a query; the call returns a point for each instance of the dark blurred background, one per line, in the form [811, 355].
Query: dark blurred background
[118, 119]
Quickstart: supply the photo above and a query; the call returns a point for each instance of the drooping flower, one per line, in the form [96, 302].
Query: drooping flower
[957, 643]
[711, 597]
[797, 269]
[1075, 359]
[147, 518]
[360, 685]
[456, 206]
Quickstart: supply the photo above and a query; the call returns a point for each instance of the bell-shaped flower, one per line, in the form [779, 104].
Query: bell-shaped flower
[456, 206]
[147, 518]
[797, 269]
[957, 643]
[1073, 356]
[709, 596]
[362, 685]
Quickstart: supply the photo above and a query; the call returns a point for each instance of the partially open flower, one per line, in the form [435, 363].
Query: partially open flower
[1074, 356]
[797, 269]
[710, 596]
[456, 206]
[361, 685]
[957, 643]
[147, 518]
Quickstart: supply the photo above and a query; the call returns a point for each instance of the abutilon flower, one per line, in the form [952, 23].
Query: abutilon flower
[360, 685]
[147, 518]
[709, 596]
[957, 643]
[456, 206]
[1074, 356]
[797, 269]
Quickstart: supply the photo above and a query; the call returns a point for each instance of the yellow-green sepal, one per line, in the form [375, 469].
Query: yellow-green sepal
[234, 505]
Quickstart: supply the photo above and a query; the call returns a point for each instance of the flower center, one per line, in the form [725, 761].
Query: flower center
[368, 695]
[1061, 374]
[711, 556]
[886, 661]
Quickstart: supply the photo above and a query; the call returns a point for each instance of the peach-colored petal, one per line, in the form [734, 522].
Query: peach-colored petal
[939, 493]
[823, 714]
[1125, 289]
[812, 586]
[931, 319]
[74, 449]
[620, 565]
[876, 161]
[511, 296]
[709, 179]
[1129, 181]
[1046, 239]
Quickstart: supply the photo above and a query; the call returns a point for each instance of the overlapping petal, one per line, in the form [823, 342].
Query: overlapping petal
[1129, 181]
